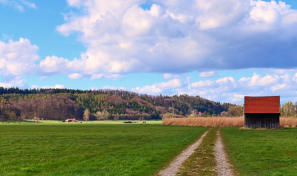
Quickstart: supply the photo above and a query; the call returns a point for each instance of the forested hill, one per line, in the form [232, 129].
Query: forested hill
[60, 104]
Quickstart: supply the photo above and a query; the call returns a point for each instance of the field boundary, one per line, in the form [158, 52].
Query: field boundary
[174, 166]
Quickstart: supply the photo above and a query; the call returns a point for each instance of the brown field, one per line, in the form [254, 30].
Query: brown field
[221, 122]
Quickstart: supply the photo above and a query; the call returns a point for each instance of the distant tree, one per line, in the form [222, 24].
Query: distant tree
[86, 115]
[235, 111]
[104, 115]
[224, 114]
[288, 110]
[169, 115]
[36, 118]
[193, 114]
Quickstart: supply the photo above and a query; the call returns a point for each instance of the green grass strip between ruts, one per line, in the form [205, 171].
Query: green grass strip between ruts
[202, 161]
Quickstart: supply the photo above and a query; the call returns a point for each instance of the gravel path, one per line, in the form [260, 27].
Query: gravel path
[223, 166]
[174, 166]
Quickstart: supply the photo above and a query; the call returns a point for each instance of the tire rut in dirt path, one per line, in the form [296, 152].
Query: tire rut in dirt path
[223, 166]
[174, 166]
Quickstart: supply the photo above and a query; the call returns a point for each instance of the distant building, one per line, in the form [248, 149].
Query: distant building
[70, 120]
[261, 112]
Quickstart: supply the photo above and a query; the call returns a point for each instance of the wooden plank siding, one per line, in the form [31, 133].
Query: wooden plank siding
[261, 120]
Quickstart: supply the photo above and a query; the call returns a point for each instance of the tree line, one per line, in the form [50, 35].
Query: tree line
[60, 104]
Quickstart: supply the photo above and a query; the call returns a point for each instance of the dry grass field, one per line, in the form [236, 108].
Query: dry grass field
[221, 121]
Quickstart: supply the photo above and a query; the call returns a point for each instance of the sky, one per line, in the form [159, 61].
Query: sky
[222, 50]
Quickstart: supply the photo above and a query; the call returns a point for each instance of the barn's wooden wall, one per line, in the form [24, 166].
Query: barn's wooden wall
[254, 120]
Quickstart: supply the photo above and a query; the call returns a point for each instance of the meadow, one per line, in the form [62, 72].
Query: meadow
[45, 149]
[111, 148]
[59, 122]
[262, 152]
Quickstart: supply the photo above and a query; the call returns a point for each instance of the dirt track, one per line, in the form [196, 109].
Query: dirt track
[174, 166]
[223, 166]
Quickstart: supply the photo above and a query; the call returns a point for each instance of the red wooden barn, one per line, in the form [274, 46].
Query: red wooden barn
[261, 112]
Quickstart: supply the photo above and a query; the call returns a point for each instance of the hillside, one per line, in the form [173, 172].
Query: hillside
[59, 104]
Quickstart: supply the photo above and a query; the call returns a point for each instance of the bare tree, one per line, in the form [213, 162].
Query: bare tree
[86, 115]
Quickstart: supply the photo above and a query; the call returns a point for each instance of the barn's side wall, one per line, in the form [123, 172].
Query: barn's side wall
[261, 120]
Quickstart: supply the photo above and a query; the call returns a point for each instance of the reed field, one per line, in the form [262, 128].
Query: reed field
[221, 121]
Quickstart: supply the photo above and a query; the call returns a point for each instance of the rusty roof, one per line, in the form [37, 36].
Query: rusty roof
[270, 104]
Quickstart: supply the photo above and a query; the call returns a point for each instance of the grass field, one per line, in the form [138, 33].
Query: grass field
[262, 152]
[90, 149]
[56, 122]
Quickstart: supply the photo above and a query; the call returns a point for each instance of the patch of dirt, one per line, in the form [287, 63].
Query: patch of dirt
[174, 166]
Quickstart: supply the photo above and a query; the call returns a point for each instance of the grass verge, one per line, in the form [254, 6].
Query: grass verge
[202, 161]
[262, 152]
[81, 150]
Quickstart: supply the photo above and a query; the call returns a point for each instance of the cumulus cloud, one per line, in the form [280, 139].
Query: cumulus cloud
[75, 76]
[53, 64]
[19, 4]
[229, 89]
[17, 58]
[207, 74]
[257, 80]
[15, 82]
[171, 76]
[168, 87]
[181, 36]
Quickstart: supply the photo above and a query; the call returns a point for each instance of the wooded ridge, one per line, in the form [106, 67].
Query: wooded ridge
[60, 104]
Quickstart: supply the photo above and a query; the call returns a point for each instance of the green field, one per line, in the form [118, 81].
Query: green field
[90, 149]
[262, 152]
[56, 122]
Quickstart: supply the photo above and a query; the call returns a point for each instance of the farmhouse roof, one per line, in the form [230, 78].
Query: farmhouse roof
[269, 104]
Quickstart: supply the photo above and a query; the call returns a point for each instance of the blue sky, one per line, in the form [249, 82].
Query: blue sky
[218, 49]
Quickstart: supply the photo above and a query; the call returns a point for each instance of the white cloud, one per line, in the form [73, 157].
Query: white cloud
[225, 80]
[17, 58]
[181, 36]
[207, 74]
[168, 87]
[96, 76]
[53, 64]
[57, 86]
[19, 4]
[167, 76]
[278, 87]
[171, 76]
[15, 82]
[229, 89]
[220, 13]
[257, 80]
[5, 85]
[201, 84]
[75, 76]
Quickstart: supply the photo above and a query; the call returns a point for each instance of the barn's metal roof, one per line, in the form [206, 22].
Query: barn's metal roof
[269, 104]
